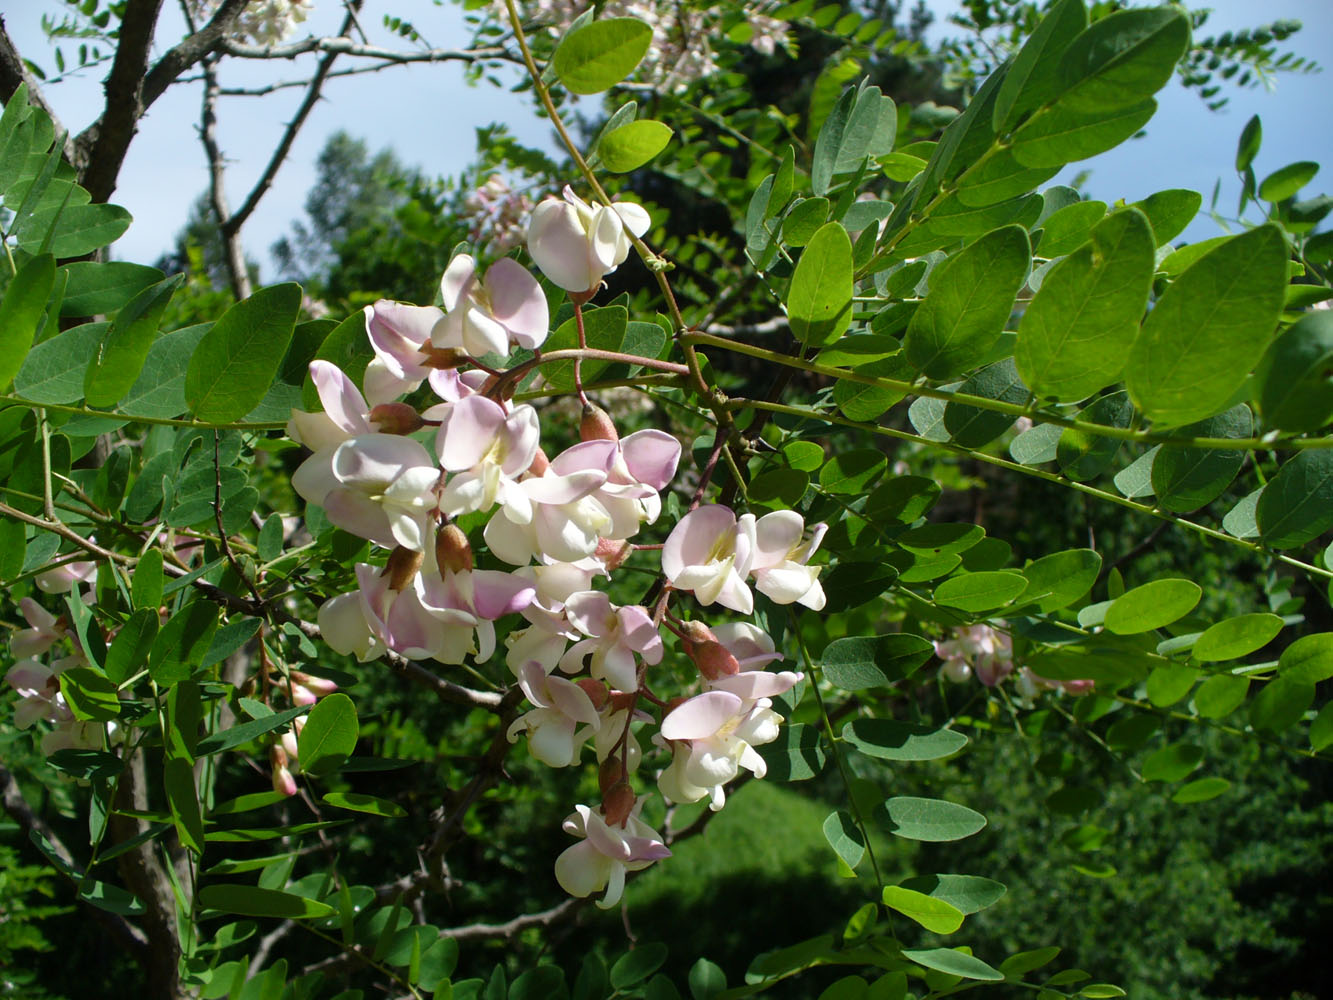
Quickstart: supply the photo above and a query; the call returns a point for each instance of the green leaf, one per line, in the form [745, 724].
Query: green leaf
[1297, 504]
[1036, 445]
[1184, 478]
[53, 370]
[129, 650]
[955, 963]
[1309, 659]
[1209, 328]
[795, 755]
[329, 735]
[146, 583]
[1169, 212]
[251, 901]
[1236, 637]
[1058, 580]
[79, 229]
[1280, 704]
[970, 299]
[1152, 606]
[111, 898]
[1220, 695]
[977, 592]
[121, 355]
[819, 301]
[365, 803]
[182, 641]
[103, 287]
[889, 739]
[1321, 730]
[1170, 682]
[1248, 147]
[973, 427]
[844, 836]
[1284, 183]
[178, 783]
[345, 346]
[1240, 520]
[631, 146]
[1000, 177]
[967, 893]
[1034, 77]
[933, 820]
[160, 388]
[706, 980]
[90, 694]
[829, 142]
[1068, 228]
[1084, 454]
[1123, 58]
[637, 965]
[1074, 334]
[858, 662]
[804, 220]
[853, 472]
[1294, 389]
[1064, 135]
[1017, 965]
[599, 54]
[1172, 762]
[1196, 791]
[237, 360]
[933, 914]
[21, 311]
[246, 731]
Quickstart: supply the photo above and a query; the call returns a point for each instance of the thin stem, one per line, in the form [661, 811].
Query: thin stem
[583, 346]
[85, 411]
[1012, 409]
[1049, 477]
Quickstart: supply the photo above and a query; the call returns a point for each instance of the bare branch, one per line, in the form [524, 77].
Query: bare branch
[237, 273]
[345, 46]
[14, 73]
[512, 928]
[232, 226]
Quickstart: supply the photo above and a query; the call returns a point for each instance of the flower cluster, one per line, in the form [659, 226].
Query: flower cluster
[681, 51]
[989, 653]
[499, 215]
[38, 684]
[302, 689]
[541, 532]
[263, 22]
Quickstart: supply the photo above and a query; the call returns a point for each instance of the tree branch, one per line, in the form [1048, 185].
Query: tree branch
[102, 146]
[345, 46]
[232, 226]
[512, 928]
[237, 273]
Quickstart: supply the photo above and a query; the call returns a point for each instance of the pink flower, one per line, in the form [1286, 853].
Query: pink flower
[577, 244]
[62, 579]
[483, 316]
[45, 631]
[606, 854]
[562, 718]
[710, 552]
[398, 335]
[782, 550]
[615, 635]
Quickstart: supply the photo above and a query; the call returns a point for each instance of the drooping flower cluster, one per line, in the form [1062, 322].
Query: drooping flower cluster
[403, 478]
[682, 49]
[989, 653]
[301, 689]
[499, 215]
[38, 684]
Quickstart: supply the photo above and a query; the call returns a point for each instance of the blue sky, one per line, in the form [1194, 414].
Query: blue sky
[428, 115]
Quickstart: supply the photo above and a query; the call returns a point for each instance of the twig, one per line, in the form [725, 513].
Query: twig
[237, 272]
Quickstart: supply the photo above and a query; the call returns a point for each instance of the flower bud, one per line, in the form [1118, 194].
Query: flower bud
[596, 425]
[713, 659]
[611, 771]
[395, 418]
[618, 803]
[402, 567]
[622, 701]
[696, 632]
[612, 552]
[453, 554]
[540, 463]
[597, 692]
[319, 685]
[442, 357]
[283, 782]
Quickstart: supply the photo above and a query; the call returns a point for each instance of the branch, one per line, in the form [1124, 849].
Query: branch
[13, 73]
[511, 929]
[131, 937]
[102, 146]
[232, 226]
[237, 273]
[345, 46]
